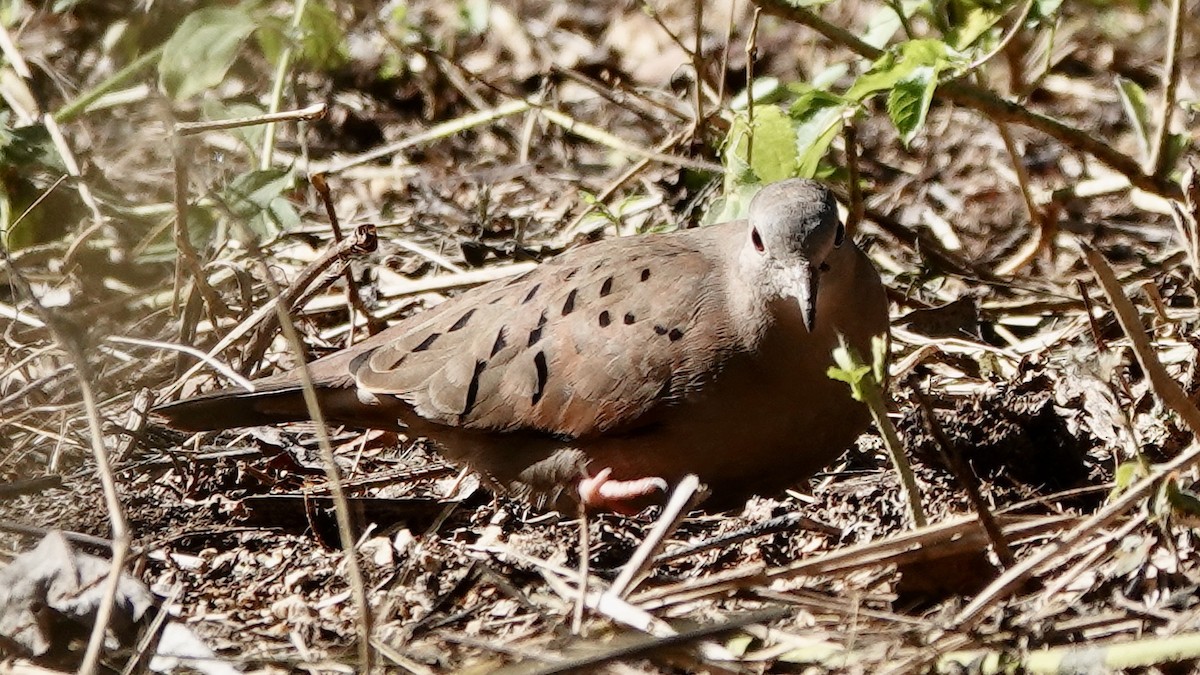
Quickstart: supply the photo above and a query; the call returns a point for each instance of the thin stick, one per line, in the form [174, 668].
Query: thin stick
[643, 557]
[353, 298]
[333, 479]
[1159, 151]
[953, 459]
[751, 49]
[216, 365]
[281, 73]
[585, 554]
[312, 112]
[698, 66]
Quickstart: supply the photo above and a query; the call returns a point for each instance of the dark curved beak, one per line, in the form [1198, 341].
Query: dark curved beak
[805, 284]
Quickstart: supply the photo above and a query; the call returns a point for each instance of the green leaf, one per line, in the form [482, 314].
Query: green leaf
[763, 90]
[257, 198]
[899, 64]
[1126, 474]
[202, 49]
[1133, 100]
[1183, 502]
[322, 42]
[318, 42]
[767, 149]
[734, 204]
[879, 356]
[885, 22]
[977, 22]
[818, 117]
[28, 146]
[881, 27]
[908, 102]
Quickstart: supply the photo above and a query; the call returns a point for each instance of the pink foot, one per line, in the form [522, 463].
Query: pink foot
[619, 496]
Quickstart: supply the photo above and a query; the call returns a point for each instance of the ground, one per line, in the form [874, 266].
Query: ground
[1041, 416]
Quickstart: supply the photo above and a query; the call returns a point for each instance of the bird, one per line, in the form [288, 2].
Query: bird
[603, 376]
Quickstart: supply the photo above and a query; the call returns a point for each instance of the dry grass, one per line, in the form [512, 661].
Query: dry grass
[1040, 401]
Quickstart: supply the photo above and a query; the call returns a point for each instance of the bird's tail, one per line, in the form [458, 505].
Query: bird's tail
[229, 409]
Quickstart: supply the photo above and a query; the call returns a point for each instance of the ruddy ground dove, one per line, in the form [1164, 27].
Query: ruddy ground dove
[620, 366]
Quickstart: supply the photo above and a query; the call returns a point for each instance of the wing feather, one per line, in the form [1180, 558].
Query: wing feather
[593, 341]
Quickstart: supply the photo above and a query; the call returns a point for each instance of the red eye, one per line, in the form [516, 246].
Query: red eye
[756, 240]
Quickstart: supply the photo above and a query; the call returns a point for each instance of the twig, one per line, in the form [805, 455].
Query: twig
[334, 480]
[268, 147]
[187, 252]
[1097, 336]
[312, 112]
[1165, 386]
[944, 538]
[953, 458]
[784, 523]
[635, 569]
[698, 67]
[301, 288]
[69, 112]
[602, 137]
[1109, 656]
[216, 365]
[751, 56]
[1043, 231]
[355, 300]
[591, 662]
[80, 538]
[1160, 151]
[432, 134]
[585, 555]
[854, 219]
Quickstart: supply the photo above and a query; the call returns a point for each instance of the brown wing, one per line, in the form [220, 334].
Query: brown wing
[588, 343]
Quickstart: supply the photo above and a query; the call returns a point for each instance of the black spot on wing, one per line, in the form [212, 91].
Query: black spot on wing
[536, 334]
[543, 374]
[531, 294]
[427, 342]
[473, 388]
[501, 341]
[462, 320]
